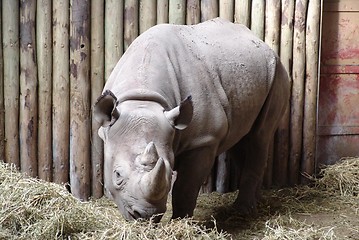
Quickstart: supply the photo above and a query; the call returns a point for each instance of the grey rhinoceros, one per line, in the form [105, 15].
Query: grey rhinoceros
[180, 96]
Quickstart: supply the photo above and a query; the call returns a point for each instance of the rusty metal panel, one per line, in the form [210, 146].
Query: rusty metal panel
[338, 125]
[338, 109]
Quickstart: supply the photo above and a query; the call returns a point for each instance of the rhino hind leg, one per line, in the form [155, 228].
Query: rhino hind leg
[253, 149]
[252, 156]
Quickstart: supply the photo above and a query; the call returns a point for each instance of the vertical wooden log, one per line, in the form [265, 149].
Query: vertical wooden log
[130, 22]
[113, 34]
[97, 82]
[311, 87]
[235, 171]
[257, 18]
[271, 37]
[2, 110]
[10, 35]
[209, 9]
[281, 154]
[60, 91]
[44, 64]
[162, 11]
[243, 12]
[80, 165]
[296, 130]
[193, 15]
[286, 37]
[207, 186]
[177, 12]
[226, 9]
[272, 24]
[222, 173]
[28, 89]
[148, 13]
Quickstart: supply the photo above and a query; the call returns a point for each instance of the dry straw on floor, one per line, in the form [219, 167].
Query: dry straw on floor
[33, 209]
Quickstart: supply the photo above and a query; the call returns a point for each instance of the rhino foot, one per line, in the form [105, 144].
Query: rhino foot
[246, 207]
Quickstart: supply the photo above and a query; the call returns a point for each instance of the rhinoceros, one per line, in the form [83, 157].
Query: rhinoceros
[178, 97]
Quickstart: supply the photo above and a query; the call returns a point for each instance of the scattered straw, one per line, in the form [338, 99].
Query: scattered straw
[34, 209]
[329, 209]
[287, 227]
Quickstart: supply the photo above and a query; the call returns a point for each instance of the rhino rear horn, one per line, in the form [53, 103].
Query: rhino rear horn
[181, 116]
[150, 155]
[105, 111]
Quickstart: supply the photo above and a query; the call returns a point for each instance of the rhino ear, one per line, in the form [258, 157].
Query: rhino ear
[181, 116]
[105, 111]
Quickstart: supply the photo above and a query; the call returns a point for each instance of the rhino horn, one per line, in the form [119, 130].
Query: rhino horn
[150, 155]
[155, 184]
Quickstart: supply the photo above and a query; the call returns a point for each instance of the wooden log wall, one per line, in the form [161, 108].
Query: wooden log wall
[55, 57]
[44, 71]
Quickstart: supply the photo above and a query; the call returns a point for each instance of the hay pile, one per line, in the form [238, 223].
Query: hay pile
[342, 178]
[34, 209]
[329, 209]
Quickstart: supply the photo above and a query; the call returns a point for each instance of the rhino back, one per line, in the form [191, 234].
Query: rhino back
[226, 69]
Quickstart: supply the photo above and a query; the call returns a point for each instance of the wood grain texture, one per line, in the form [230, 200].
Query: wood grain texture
[193, 15]
[2, 109]
[281, 151]
[60, 91]
[44, 64]
[177, 12]
[209, 9]
[243, 12]
[311, 89]
[28, 120]
[80, 165]
[114, 34]
[97, 73]
[147, 15]
[130, 22]
[257, 18]
[11, 51]
[226, 9]
[297, 100]
[162, 11]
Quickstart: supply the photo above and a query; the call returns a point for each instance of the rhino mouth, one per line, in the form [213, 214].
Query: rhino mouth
[136, 215]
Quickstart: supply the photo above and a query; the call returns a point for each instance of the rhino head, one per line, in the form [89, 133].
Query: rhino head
[138, 138]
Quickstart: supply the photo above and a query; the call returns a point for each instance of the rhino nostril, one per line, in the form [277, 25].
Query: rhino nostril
[135, 214]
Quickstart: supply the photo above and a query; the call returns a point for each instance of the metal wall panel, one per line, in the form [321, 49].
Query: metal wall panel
[338, 113]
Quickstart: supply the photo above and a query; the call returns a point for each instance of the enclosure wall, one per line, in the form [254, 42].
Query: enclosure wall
[55, 57]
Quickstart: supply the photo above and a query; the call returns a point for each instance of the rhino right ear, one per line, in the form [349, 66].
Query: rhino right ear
[105, 111]
[181, 116]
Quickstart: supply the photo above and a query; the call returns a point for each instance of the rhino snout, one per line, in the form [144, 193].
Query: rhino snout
[135, 214]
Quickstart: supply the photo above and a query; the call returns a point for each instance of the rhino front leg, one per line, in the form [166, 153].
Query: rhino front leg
[192, 169]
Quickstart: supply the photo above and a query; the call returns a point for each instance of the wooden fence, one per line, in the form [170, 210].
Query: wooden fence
[56, 55]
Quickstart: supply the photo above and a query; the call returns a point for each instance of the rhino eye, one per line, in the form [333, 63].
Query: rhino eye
[118, 175]
[119, 179]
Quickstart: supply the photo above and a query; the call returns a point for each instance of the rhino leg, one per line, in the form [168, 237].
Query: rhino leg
[255, 145]
[252, 154]
[192, 169]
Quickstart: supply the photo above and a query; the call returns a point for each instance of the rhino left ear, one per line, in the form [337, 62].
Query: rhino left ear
[105, 111]
[181, 116]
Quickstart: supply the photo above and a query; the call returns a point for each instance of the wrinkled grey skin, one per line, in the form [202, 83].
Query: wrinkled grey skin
[151, 127]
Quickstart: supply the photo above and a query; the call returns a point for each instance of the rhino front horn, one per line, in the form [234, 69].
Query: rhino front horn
[155, 184]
